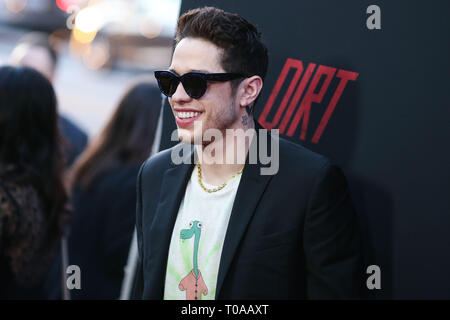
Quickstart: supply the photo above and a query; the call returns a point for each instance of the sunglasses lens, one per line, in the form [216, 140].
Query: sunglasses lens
[194, 85]
[167, 83]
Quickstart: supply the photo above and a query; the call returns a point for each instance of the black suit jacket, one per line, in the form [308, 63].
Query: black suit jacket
[292, 235]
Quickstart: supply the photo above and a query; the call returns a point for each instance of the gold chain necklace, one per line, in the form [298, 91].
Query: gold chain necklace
[217, 188]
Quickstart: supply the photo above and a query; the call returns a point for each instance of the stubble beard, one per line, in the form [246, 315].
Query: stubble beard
[223, 120]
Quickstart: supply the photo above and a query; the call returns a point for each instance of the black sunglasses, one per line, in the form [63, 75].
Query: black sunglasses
[194, 83]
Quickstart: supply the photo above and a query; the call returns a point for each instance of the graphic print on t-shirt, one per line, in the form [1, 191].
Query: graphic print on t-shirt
[193, 282]
[195, 249]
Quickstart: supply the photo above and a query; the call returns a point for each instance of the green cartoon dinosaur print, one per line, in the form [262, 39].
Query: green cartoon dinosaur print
[193, 282]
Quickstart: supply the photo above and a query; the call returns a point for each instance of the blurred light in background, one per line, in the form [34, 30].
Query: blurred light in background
[138, 34]
[96, 56]
[122, 26]
[64, 5]
[82, 36]
[102, 45]
[150, 28]
[15, 6]
[90, 19]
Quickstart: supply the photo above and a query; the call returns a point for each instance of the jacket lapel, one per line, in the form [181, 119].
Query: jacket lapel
[173, 188]
[250, 190]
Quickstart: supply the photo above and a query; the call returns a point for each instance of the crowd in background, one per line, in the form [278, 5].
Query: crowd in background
[57, 188]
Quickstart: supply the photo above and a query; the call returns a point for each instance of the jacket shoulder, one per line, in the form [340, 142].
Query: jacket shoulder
[295, 155]
[156, 165]
[159, 161]
[301, 165]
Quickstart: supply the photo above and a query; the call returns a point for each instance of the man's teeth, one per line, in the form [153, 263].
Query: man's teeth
[186, 115]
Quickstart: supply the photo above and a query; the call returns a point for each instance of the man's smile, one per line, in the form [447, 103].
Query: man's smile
[185, 117]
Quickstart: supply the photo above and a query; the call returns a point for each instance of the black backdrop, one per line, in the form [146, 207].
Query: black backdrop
[389, 129]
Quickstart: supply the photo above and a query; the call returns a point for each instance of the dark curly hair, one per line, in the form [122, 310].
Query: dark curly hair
[243, 49]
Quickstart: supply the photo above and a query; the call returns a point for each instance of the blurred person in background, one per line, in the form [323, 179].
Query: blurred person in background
[103, 184]
[33, 200]
[35, 51]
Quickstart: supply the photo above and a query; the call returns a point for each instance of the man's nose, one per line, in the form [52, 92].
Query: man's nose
[180, 94]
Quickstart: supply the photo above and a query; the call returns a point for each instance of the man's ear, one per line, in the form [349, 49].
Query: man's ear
[249, 91]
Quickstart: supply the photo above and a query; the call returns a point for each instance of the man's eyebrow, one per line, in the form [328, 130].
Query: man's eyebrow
[201, 71]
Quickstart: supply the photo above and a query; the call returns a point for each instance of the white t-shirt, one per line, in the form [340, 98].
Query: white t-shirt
[197, 240]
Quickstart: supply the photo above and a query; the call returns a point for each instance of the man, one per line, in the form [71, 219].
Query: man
[224, 230]
[35, 51]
